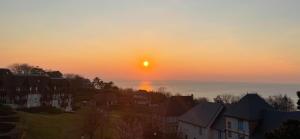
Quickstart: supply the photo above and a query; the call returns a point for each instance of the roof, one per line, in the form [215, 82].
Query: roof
[273, 119]
[202, 114]
[250, 107]
[5, 72]
[219, 123]
[177, 105]
[102, 98]
[33, 80]
[60, 82]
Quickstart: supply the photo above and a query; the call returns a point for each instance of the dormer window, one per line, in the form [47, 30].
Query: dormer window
[241, 137]
[229, 124]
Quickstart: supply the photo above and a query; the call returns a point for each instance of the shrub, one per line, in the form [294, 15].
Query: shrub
[42, 109]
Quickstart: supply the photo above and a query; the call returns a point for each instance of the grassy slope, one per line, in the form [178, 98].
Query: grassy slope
[43, 126]
[64, 126]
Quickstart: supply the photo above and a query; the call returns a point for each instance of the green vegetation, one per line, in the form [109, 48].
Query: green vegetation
[44, 126]
[59, 126]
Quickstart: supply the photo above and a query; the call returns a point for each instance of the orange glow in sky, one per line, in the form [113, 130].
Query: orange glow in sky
[155, 39]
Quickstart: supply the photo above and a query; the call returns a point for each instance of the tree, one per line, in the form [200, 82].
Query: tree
[281, 103]
[226, 99]
[129, 128]
[98, 83]
[37, 71]
[26, 69]
[78, 82]
[288, 130]
[298, 103]
[55, 74]
[201, 99]
[21, 69]
[93, 119]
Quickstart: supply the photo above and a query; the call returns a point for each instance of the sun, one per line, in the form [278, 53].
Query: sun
[146, 63]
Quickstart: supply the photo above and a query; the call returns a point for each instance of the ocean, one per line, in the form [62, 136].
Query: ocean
[212, 89]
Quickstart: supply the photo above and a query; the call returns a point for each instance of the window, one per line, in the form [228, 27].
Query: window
[200, 131]
[219, 135]
[241, 137]
[229, 134]
[229, 124]
[18, 89]
[240, 125]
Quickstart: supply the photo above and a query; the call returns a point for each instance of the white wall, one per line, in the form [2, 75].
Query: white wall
[191, 131]
[235, 130]
[55, 102]
[33, 100]
[214, 134]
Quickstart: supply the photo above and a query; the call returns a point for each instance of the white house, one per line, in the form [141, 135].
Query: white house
[197, 122]
[27, 91]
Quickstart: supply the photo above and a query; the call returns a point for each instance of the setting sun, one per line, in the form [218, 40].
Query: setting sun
[146, 63]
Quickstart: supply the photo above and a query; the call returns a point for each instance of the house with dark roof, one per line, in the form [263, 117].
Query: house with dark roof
[26, 91]
[249, 118]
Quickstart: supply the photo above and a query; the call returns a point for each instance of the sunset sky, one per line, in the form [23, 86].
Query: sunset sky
[207, 40]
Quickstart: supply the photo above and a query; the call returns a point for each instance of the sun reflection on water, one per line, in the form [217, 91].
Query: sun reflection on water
[145, 85]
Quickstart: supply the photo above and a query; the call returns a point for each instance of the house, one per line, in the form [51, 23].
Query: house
[170, 111]
[249, 118]
[142, 98]
[26, 91]
[106, 99]
[243, 118]
[197, 122]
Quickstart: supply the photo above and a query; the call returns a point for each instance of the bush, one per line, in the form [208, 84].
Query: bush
[6, 110]
[42, 109]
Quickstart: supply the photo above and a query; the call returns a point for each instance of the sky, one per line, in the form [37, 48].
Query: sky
[207, 40]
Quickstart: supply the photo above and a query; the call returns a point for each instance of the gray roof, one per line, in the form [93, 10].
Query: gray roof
[250, 107]
[202, 114]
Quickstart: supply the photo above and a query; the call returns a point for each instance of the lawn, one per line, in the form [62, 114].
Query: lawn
[64, 126]
[60, 126]
[47, 126]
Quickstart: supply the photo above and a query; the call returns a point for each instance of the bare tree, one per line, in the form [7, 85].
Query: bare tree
[281, 103]
[23, 69]
[298, 103]
[288, 130]
[201, 99]
[129, 129]
[26, 69]
[93, 119]
[226, 99]
[98, 83]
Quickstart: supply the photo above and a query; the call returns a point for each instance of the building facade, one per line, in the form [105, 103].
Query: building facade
[250, 118]
[27, 91]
